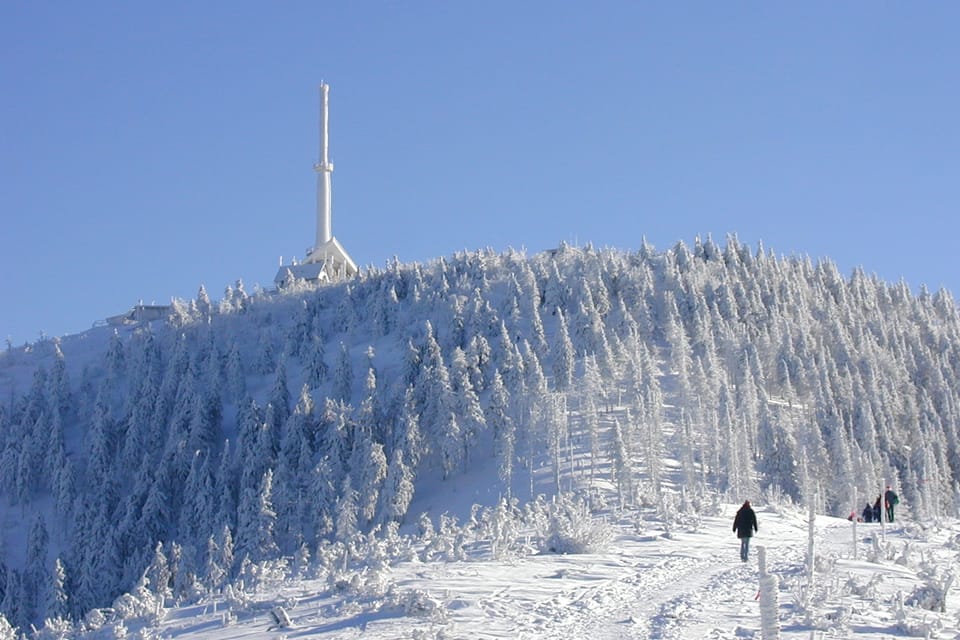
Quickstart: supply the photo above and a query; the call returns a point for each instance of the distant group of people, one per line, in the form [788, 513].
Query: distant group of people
[872, 513]
[745, 522]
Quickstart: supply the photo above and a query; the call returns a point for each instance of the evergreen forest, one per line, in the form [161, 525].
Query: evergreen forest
[267, 424]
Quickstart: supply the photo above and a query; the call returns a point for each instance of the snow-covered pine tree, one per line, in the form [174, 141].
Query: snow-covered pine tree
[562, 355]
[498, 416]
[398, 489]
[256, 522]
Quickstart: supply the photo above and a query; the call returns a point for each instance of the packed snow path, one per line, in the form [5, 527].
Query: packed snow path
[682, 587]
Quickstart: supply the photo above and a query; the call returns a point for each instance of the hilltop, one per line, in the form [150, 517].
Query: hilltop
[235, 433]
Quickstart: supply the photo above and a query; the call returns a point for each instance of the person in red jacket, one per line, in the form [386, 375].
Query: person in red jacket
[745, 523]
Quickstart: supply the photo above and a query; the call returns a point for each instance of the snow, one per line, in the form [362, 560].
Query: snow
[688, 583]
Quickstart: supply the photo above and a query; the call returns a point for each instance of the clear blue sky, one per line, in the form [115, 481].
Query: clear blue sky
[146, 148]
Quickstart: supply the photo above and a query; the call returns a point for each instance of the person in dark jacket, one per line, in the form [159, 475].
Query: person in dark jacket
[745, 523]
[890, 500]
[867, 514]
[876, 510]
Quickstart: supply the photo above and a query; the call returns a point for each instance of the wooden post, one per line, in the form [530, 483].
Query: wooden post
[855, 513]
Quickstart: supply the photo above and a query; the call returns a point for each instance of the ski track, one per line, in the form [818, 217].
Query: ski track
[662, 595]
[673, 599]
[637, 594]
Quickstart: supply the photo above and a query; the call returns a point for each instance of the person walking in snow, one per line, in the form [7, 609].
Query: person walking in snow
[745, 523]
[876, 510]
[867, 514]
[890, 499]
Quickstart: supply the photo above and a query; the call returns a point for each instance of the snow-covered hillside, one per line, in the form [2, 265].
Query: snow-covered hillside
[196, 453]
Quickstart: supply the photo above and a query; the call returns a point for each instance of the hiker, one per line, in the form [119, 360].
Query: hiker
[745, 523]
[890, 499]
[876, 510]
[867, 514]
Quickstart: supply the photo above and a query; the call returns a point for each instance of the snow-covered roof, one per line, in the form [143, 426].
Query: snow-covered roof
[329, 261]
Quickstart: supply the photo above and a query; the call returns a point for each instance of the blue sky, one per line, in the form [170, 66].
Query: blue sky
[146, 148]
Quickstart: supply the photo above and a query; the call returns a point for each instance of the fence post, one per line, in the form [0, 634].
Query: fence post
[769, 599]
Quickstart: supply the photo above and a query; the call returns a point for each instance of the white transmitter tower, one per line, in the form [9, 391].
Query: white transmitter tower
[327, 260]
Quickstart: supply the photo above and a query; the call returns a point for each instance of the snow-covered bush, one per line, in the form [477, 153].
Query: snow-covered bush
[447, 543]
[235, 597]
[867, 590]
[7, 632]
[500, 526]
[913, 625]
[96, 619]
[140, 603]
[775, 500]
[573, 529]
[301, 562]
[932, 595]
[879, 551]
[146, 633]
[396, 547]
[419, 603]
[118, 631]
[810, 601]
[52, 629]
[903, 558]
[256, 576]
[674, 515]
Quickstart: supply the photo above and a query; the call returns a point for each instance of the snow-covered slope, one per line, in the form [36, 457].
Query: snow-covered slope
[646, 583]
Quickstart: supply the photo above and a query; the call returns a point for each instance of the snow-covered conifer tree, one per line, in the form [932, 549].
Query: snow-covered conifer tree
[58, 385]
[199, 511]
[256, 521]
[456, 326]
[480, 365]
[205, 429]
[347, 512]
[336, 433]
[317, 368]
[36, 575]
[343, 376]
[622, 465]
[280, 399]
[504, 429]
[555, 417]
[158, 576]
[563, 355]
[293, 462]
[555, 293]
[236, 380]
[407, 436]
[322, 495]
[56, 603]
[13, 604]
[450, 443]
[466, 402]
[509, 361]
[203, 304]
[398, 489]
[368, 468]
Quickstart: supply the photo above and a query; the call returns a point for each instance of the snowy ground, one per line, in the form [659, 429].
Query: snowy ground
[690, 584]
